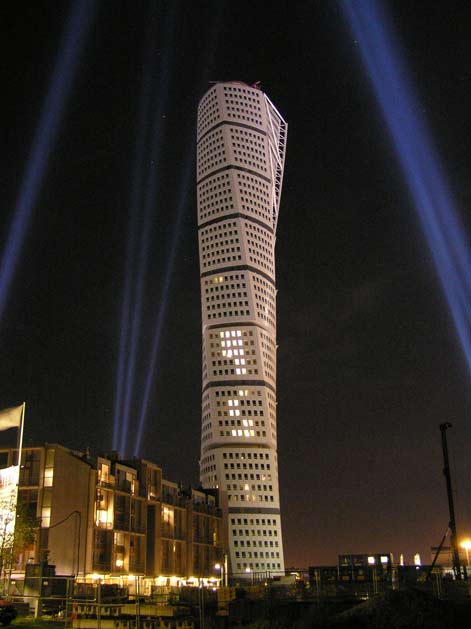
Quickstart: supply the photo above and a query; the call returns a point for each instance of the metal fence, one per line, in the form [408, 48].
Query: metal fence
[101, 605]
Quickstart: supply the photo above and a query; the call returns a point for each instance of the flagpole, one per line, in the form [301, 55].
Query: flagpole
[20, 438]
[16, 490]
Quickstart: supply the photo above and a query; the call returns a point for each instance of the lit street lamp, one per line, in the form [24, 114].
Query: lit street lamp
[466, 544]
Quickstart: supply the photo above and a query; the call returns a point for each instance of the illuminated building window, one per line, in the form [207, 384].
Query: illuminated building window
[48, 476]
[45, 517]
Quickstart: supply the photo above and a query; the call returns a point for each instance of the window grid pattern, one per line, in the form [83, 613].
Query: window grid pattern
[231, 353]
[248, 149]
[260, 247]
[226, 294]
[241, 296]
[252, 353]
[215, 196]
[220, 245]
[211, 152]
[265, 302]
[257, 544]
[228, 192]
[255, 196]
[209, 112]
[243, 104]
[237, 191]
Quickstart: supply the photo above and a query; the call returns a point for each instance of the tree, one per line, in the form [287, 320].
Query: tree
[18, 530]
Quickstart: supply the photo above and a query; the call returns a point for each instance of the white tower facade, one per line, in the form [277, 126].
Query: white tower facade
[241, 143]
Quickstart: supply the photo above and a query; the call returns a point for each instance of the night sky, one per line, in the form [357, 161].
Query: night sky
[369, 363]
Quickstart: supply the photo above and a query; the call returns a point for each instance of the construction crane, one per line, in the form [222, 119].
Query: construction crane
[458, 573]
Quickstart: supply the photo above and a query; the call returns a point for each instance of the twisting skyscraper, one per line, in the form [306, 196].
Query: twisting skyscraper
[240, 158]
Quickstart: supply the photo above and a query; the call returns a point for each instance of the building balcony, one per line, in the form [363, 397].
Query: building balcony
[102, 566]
[167, 530]
[201, 507]
[174, 500]
[125, 485]
[105, 484]
[137, 566]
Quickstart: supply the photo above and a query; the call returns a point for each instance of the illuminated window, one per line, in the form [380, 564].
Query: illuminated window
[48, 476]
[167, 515]
[45, 517]
[102, 517]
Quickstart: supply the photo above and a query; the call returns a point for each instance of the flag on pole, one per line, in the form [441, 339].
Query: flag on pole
[9, 477]
[11, 417]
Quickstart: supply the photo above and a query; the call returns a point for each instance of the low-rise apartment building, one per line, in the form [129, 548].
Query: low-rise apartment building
[109, 519]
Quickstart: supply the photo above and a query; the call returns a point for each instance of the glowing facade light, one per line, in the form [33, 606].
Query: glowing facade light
[466, 545]
[418, 158]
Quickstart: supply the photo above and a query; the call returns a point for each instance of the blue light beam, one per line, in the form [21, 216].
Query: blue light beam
[164, 299]
[138, 298]
[137, 186]
[207, 66]
[150, 202]
[70, 49]
[418, 159]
